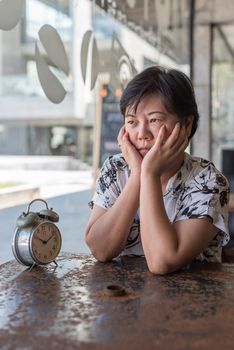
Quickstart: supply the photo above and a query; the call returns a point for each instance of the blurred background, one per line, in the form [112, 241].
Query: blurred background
[60, 87]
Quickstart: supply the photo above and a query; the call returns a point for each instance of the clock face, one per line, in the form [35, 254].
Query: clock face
[45, 242]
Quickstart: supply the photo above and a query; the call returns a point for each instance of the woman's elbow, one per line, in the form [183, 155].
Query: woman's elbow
[161, 268]
[100, 256]
[156, 270]
[97, 253]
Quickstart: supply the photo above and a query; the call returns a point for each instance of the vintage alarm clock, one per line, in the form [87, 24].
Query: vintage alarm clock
[37, 240]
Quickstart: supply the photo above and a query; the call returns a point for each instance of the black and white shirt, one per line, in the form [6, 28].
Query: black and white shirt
[197, 190]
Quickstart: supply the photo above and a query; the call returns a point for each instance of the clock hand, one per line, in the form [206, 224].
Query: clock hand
[39, 239]
[49, 238]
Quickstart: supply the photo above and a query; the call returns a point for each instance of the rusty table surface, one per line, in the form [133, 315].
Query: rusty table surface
[70, 307]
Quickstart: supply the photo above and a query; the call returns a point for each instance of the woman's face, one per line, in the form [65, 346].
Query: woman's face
[144, 124]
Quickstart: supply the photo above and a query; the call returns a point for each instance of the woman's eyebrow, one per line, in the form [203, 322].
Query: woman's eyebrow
[129, 115]
[162, 114]
[157, 112]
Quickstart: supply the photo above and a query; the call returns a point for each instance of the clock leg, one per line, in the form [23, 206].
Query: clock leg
[31, 267]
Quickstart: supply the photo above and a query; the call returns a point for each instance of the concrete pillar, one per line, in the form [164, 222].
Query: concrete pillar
[82, 143]
[202, 85]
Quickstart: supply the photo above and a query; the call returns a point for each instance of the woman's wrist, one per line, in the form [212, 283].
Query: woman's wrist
[149, 173]
[135, 175]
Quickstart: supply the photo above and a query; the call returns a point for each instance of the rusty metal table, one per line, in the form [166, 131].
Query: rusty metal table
[69, 307]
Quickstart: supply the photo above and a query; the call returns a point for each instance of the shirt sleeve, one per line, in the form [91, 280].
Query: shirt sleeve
[107, 189]
[207, 195]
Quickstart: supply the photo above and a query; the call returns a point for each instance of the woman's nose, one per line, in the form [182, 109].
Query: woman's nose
[144, 133]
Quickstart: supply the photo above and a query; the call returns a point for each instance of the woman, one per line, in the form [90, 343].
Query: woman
[154, 199]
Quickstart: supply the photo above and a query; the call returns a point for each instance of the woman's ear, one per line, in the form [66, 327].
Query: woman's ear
[189, 124]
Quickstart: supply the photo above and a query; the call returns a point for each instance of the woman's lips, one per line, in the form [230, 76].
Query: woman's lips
[143, 151]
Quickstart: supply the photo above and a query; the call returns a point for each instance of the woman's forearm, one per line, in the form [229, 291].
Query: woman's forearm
[107, 236]
[158, 235]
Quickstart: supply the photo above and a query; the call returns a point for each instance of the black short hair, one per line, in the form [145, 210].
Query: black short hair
[174, 88]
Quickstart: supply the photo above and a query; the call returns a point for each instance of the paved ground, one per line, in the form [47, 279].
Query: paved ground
[51, 182]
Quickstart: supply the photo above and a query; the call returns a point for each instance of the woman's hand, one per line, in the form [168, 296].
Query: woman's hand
[165, 154]
[130, 153]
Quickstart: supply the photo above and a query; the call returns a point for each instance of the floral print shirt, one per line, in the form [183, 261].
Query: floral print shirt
[197, 190]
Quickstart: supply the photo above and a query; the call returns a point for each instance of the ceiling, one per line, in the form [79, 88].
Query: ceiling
[166, 23]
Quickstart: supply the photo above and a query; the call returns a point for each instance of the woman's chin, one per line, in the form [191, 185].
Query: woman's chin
[143, 152]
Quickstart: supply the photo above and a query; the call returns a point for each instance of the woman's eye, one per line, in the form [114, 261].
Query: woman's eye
[131, 122]
[155, 120]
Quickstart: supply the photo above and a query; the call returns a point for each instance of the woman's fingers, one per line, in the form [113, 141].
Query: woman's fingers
[126, 141]
[123, 139]
[174, 144]
[178, 138]
[120, 135]
[184, 144]
[160, 138]
[174, 136]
